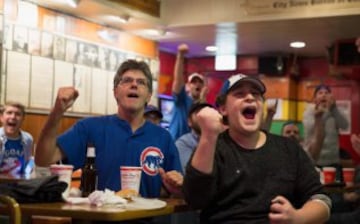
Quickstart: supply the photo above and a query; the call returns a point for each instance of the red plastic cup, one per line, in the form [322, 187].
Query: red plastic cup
[348, 175]
[329, 174]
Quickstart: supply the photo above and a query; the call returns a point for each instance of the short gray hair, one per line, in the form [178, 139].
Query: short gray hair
[133, 65]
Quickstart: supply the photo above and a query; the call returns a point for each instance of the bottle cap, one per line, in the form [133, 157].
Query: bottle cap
[90, 152]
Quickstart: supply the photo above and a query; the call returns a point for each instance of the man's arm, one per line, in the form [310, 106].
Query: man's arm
[179, 81]
[46, 150]
[210, 122]
[314, 146]
[340, 119]
[313, 211]
[271, 111]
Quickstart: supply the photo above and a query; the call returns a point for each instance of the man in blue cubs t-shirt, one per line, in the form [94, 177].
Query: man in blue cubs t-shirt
[122, 139]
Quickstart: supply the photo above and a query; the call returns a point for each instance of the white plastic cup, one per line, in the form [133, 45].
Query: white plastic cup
[64, 172]
[130, 177]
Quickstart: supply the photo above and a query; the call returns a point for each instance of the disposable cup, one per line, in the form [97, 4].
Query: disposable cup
[130, 177]
[64, 172]
[348, 175]
[329, 174]
[41, 171]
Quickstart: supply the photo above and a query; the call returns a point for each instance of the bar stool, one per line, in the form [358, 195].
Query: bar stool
[13, 207]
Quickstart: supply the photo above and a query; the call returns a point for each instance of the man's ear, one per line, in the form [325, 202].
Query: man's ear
[222, 110]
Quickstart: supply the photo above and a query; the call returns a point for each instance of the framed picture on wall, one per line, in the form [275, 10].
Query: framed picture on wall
[20, 41]
[59, 48]
[47, 44]
[34, 42]
[71, 50]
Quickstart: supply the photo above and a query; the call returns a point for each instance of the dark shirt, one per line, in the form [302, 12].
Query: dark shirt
[244, 182]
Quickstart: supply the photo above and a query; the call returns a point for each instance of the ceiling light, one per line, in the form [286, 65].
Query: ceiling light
[73, 3]
[297, 44]
[155, 32]
[211, 48]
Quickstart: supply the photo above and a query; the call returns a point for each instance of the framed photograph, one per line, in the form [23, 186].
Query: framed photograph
[59, 48]
[20, 41]
[47, 44]
[34, 42]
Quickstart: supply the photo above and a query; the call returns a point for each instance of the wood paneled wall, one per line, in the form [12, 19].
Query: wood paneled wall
[34, 123]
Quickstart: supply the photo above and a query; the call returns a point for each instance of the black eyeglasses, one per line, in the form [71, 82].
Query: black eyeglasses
[129, 80]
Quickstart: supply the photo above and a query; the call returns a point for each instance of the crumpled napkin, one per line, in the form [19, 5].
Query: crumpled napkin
[99, 198]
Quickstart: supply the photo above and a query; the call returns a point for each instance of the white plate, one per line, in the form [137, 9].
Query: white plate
[144, 203]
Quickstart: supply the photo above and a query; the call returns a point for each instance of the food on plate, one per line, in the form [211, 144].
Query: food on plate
[127, 193]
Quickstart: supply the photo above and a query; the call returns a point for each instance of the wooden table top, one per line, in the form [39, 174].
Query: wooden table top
[104, 213]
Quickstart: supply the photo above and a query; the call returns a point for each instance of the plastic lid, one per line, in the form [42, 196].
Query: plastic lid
[90, 152]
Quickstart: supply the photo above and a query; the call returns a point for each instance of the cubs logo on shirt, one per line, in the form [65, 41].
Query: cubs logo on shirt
[150, 160]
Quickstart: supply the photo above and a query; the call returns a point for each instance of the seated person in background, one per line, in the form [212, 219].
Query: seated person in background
[313, 147]
[184, 94]
[153, 114]
[324, 111]
[245, 175]
[124, 138]
[291, 130]
[16, 146]
[187, 143]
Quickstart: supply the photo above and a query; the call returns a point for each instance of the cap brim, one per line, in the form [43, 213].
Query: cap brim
[257, 83]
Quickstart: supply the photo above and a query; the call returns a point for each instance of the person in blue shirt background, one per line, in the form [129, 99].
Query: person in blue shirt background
[122, 139]
[15, 144]
[184, 94]
[188, 142]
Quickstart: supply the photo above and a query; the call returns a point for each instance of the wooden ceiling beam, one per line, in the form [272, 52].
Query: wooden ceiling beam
[151, 7]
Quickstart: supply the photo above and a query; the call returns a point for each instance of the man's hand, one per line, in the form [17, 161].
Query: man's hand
[172, 180]
[281, 211]
[330, 103]
[183, 49]
[319, 110]
[210, 121]
[65, 98]
[271, 108]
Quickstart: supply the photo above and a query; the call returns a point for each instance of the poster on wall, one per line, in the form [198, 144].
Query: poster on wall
[63, 76]
[344, 106]
[59, 48]
[34, 42]
[41, 90]
[111, 105]
[20, 41]
[18, 77]
[1, 29]
[98, 88]
[8, 36]
[47, 42]
[82, 82]
[71, 50]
